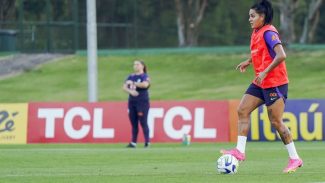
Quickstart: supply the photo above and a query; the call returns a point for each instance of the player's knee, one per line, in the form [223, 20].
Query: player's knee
[140, 114]
[276, 123]
[242, 113]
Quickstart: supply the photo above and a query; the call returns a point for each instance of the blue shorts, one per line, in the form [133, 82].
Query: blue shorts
[268, 95]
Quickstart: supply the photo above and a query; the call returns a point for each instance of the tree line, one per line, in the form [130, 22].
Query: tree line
[171, 23]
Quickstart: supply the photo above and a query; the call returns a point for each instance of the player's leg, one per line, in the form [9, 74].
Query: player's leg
[142, 113]
[275, 102]
[133, 117]
[247, 105]
[250, 101]
[275, 112]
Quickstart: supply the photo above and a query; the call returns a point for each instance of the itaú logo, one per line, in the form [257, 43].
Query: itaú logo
[190, 122]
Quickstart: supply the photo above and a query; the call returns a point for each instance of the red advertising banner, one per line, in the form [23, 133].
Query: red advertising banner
[205, 121]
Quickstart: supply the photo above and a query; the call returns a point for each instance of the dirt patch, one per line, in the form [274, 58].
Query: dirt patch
[16, 64]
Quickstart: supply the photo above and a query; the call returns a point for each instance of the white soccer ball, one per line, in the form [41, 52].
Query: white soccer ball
[227, 164]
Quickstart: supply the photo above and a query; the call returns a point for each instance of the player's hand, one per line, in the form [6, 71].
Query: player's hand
[259, 79]
[130, 84]
[134, 93]
[243, 65]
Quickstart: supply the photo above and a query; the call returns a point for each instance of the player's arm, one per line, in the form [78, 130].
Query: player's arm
[249, 60]
[243, 65]
[125, 86]
[280, 56]
[144, 84]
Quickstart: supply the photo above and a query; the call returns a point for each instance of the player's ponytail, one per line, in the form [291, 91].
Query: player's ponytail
[264, 7]
[144, 66]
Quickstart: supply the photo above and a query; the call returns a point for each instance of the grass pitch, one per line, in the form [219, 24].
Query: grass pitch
[199, 76]
[163, 163]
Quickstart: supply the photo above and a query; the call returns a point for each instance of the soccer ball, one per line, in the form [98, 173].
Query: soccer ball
[227, 164]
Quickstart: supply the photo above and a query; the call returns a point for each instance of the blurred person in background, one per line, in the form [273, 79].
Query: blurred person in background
[137, 85]
[270, 86]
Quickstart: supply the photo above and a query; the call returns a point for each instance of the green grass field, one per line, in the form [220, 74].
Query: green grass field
[163, 163]
[199, 76]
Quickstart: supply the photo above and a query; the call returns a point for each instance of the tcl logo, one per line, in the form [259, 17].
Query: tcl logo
[199, 131]
[51, 115]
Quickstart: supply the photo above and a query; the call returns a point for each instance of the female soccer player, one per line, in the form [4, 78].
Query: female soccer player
[270, 85]
[136, 85]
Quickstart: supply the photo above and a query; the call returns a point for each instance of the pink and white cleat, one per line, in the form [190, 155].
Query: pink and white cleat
[293, 165]
[235, 152]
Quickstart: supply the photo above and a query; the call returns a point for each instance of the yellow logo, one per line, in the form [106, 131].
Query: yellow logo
[274, 37]
[13, 123]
